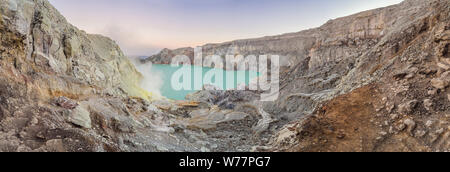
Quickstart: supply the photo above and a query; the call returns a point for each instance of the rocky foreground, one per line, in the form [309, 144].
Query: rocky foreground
[373, 81]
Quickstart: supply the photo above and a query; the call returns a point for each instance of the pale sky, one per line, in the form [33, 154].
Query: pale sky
[143, 27]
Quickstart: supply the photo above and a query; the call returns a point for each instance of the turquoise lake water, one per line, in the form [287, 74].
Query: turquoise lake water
[198, 77]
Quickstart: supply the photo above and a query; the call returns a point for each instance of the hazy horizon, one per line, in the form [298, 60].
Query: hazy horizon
[144, 27]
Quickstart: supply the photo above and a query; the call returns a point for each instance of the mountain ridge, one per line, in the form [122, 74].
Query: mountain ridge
[293, 35]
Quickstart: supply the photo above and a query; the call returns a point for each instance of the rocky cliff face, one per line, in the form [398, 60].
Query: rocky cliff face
[373, 81]
[39, 40]
[394, 95]
[62, 89]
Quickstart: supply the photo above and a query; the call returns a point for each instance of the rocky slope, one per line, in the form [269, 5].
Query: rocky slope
[62, 89]
[396, 96]
[373, 81]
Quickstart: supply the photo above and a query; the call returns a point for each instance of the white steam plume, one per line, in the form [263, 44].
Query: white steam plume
[152, 81]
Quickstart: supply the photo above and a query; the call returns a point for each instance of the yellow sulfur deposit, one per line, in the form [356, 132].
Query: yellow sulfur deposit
[131, 84]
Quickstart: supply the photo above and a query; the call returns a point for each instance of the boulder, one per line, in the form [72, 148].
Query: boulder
[428, 104]
[411, 124]
[394, 116]
[443, 66]
[407, 107]
[80, 117]
[66, 103]
[429, 124]
[432, 92]
[439, 83]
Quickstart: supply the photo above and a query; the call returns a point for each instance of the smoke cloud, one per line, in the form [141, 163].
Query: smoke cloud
[152, 81]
